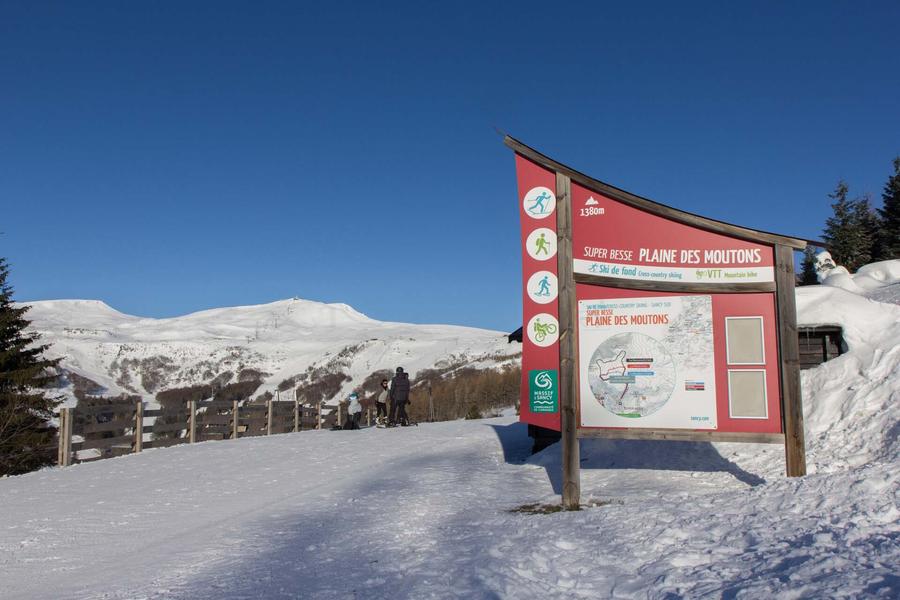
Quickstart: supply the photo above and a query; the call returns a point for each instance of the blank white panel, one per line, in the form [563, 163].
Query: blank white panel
[747, 394]
[744, 338]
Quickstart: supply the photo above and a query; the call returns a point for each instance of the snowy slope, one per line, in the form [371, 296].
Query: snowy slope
[423, 512]
[127, 354]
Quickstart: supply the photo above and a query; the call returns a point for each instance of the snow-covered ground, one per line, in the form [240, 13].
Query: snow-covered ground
[423, 512]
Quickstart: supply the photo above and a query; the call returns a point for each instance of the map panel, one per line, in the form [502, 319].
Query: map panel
[647, 363]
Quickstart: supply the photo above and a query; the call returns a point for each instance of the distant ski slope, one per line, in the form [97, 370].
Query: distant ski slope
[128, 354]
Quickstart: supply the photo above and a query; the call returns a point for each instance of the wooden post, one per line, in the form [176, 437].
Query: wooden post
[62, 456]
[235, 419]
[319, 415]
[430, 403]
[368, 416]
[568, 346]
[296, 412]
[339, 415]
[269, 405]
[69, 424]
[789, 353]
[138, 426]
[192, 422]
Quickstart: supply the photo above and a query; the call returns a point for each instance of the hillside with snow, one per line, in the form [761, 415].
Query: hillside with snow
[125, 354]
[431, 511]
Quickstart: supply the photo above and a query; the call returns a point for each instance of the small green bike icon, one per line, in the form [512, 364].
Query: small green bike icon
[542, 330]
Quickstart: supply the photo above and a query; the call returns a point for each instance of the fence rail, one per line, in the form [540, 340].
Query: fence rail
[97, 431]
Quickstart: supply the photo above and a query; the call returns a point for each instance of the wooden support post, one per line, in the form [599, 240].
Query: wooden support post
[138, 426]
[319, 415]
[192, 422]
[62, 456]
[789, 352]
[235, 419]
[269, 406]
[368, 416]
[340, 415]
[69, 424]
[296, 412]
[568, 346]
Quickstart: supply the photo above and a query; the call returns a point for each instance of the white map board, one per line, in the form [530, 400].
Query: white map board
[647, 363]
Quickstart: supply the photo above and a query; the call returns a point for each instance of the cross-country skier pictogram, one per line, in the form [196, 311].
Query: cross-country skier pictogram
[539, 202]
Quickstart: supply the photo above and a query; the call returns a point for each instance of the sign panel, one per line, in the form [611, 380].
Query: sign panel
[647, 362]
[540, 294]
[612, 239]
[543, 391]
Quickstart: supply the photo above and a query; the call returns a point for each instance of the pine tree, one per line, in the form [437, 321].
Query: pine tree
[26, 437]
[848, 233]
[808, 274]
[888, 240]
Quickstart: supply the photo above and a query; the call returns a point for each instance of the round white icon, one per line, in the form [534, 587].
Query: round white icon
[543, 330]
[541, 244]
[543, 287]
[539, 202]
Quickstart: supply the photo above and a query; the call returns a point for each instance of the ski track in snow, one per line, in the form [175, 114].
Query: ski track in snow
[422, 512]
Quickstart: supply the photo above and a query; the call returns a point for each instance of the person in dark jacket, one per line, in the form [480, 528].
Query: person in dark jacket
[399, 398]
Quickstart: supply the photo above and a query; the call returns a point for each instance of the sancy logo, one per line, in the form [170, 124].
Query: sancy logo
[543, 391]
[543, 380]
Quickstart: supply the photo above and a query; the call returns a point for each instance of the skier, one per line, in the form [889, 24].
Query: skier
[399, 398]
[353, 412]
[381, 413]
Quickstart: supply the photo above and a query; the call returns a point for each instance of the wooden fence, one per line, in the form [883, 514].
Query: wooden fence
[116, 428]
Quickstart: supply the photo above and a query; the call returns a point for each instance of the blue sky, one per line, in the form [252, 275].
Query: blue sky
[167, 157]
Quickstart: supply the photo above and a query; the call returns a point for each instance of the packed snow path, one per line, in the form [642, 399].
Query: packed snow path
[422, 512]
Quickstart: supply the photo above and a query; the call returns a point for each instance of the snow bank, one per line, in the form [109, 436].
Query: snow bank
[851, 403]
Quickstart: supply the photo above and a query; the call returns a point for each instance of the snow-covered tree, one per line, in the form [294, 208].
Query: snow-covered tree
[808, 273]
[849, 231]
[26, 437]
[887, 243]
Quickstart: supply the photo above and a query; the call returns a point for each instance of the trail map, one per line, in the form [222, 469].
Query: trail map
[647, 362]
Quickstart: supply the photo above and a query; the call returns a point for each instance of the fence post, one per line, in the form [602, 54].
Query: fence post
[139, 426]
[319, 415]
[269, 405]
[69, 423]
[340, 415]
[296, 412]
[192, 421]
[235, 418]
[65, 437]
[368, 416]
[430, 404]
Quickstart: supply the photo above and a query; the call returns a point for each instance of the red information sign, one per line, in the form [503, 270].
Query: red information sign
[612, 239]
[540, 288]
[655, 360]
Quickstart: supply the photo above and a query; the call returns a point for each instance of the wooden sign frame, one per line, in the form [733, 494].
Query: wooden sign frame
[783, 288]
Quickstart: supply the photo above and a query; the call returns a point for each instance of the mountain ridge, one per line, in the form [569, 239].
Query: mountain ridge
[126, 354]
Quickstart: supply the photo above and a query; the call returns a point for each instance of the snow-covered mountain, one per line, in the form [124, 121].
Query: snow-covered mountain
[135, 355]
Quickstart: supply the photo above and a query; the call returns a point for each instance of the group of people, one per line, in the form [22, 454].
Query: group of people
[390, 404]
